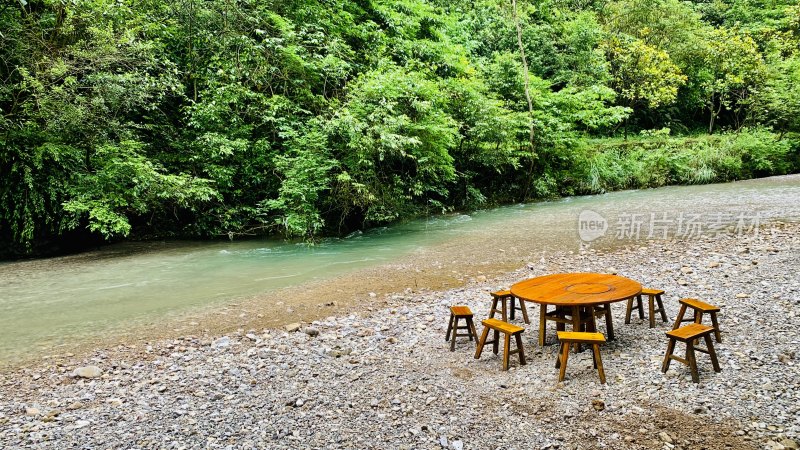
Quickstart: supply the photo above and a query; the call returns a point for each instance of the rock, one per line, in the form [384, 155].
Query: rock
[114, 402]
[457, 445]
[664, 437]
[612, 270]
[685, 269]
[32, 411]
[742, 295]
[311, 331]
[87, 372]
[251, 336]
[292, 327]
[713, 264]
[222, 342]
[372, 295]
[683, 282]
[479, 279]
[598, 405]
[82, 423]
[443, 441]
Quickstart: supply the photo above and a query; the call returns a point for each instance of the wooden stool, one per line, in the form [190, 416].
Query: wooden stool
[699, 309]
[501, 297]
[571, 337]
[562, 316]
[498, 326]
[457, 313]
[653, 296]
[688, 334]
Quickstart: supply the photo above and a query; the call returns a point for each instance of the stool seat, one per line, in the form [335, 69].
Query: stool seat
[568, 338]
[648, 291]
[699, 305]
[505, 293]
[690, 332]
[499, 325]
[581, 337]
[509, 330]
[461, 311]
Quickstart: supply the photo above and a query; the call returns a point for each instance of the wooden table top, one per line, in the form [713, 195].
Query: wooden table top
[576, 289]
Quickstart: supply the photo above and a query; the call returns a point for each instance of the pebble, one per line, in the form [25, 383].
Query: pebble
[292, 327]
[87, 372]
[222, 342]
[385, 377]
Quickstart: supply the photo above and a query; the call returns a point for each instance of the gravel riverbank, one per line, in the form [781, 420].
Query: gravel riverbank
[382, 376]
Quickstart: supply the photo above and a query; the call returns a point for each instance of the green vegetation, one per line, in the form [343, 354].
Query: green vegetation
[206, 118]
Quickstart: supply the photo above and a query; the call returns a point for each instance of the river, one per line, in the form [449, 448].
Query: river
[55, 304]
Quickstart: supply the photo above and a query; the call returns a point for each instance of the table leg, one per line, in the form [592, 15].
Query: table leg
[542, 323]
[576, 324]
[592, 325]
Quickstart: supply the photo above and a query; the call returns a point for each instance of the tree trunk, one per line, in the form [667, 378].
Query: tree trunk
[531, 135]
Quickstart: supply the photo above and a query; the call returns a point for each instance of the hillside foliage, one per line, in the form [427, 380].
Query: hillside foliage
[230, 118]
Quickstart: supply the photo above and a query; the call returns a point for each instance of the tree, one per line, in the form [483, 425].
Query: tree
[642, 74]
[733, 66]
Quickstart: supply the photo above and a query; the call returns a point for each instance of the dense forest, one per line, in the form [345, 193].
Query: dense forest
[232, 118]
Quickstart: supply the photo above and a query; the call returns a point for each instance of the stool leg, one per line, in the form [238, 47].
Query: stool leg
[564, 356]
[472, 332]
[542, 322]
[524, 310]
[599, 363]
[690, 357]
[505, 309]
[449, 327]
[513, 302]
[712, 354]
[506, 348]
[651, 304]
[667, 359]
[628, 311]
[661, 308]
[496, 343]
[639, 306]
[518, 336]
[481, 342]
[716, 326]
[609, 323]
[453, 338]
[698, 318]
[493, 309]
[679, 319]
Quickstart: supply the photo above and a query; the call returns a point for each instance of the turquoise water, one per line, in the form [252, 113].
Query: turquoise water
[48, 302]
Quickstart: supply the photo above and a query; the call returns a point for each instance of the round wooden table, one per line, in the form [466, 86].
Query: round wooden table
[575, 291]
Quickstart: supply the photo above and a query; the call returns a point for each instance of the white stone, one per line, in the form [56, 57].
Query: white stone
[87, 372]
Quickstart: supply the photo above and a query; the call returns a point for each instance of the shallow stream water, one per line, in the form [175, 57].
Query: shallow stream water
[47, 303]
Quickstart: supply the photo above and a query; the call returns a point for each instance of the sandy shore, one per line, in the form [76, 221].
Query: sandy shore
[374, 371]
